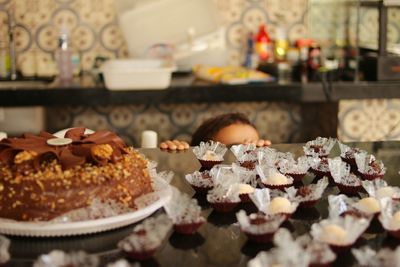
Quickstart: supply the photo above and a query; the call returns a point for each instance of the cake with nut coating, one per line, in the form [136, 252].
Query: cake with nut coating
[43, 177]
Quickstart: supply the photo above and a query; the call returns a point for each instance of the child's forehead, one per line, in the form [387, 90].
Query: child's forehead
[236, 134]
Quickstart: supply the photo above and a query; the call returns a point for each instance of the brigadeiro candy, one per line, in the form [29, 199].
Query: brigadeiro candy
[319, 167]
[246, 155]
[224, 197]
[340, 233]
[201, 182]
[307, 196]
[369, 167]
[58, 258]
[4, 247]
[259, 227]
[378, 189]
[210, 153]
[348, 183]
[272, 178]
[320, 147]
[184, 212]
[146, 237]
[348, 153]
[295, 169]
[342, 205]
[273, 202]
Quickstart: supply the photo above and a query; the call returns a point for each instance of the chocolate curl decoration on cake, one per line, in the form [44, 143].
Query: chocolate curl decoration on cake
[70, 155]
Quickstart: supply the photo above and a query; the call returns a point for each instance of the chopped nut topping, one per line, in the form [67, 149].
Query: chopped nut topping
[102, 151]
[24, 156]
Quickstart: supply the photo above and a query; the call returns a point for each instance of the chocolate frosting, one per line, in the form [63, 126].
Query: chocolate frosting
[77, 153]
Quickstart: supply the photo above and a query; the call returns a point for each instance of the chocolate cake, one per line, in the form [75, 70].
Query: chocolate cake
[43, 177]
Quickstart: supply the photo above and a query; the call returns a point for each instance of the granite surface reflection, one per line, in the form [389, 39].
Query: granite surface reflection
[219, 242]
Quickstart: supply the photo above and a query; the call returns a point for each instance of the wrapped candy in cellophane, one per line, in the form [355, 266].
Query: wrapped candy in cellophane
[272, 178]
[369, 167]
[341, 205]
[210, 153]
[385, 257]
[58, 258]
[307, 196]
[296, 169]
[390, 216]
[348, 183]
[272, 202]
[201, 181]
[348, 153]
[246, 155]
[378, 189]
[146, 237]
[184, 212]
[320, 147]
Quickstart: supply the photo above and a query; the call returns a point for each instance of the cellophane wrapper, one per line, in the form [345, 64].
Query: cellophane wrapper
[218, 148]
[265, 172]
[316, 191]
[364, 161]
[183, 209]
[4, 249]
[318, 164]
[365, 256]
[245, 152]
[354, 227]
[262, 199]
[289, 251]
[267, 156]
[325, 146]
[372, 187]
[224, 174]
[224, 191]
[388, 208]
[270, 226]
[196, 178]
[320, 253]
[338, 205]
[348, 152]
[58, 258]
[123, 263]
[264, 259]
[340, 172]
[147, 235]
[299, 166]
[245, 175]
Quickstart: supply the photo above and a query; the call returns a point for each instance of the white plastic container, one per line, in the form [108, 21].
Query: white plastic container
[136, 74]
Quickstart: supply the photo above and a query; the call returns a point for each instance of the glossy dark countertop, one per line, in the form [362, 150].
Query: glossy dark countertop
[219, 241]
[185, 89]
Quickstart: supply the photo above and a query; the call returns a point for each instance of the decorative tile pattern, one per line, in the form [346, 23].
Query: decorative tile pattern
[369, 120]
[278, 122]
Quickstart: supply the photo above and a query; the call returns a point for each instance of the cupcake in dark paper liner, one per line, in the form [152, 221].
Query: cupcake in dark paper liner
[184, 212]
[369, 167]
[146, 237]
[320, 167]
[320, 147]
[390, 216]
[348, 183]
[340, 233]
[348, 153]
[246, 155]
[58, 258]
[259, 227]
[321, 254]
[341, 205]
[272, 178]
[307, 196]
[295, 169]
[273, 202]
[210, 153]
[201, 182]
[378, 189]
[224, 197]
[385, 257]
[4, 250]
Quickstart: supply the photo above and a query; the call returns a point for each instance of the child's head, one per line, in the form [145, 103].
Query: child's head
[229, 129]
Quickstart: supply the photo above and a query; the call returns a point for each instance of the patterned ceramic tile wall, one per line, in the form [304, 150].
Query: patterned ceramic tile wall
[278, 122]
[95, 32]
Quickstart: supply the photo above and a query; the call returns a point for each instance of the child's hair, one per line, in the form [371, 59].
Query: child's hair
[210, 127]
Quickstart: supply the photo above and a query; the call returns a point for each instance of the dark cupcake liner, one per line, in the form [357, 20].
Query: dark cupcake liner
[371, 177]
[328, 264]
[395, 234]
[349, 190]
[187, 228]
[200, 189]
[208, 164]
[278, 187]
[141, 255]
[337, 249]
[308, 204]
[260, 238]
[244, 198]
[224, 206]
